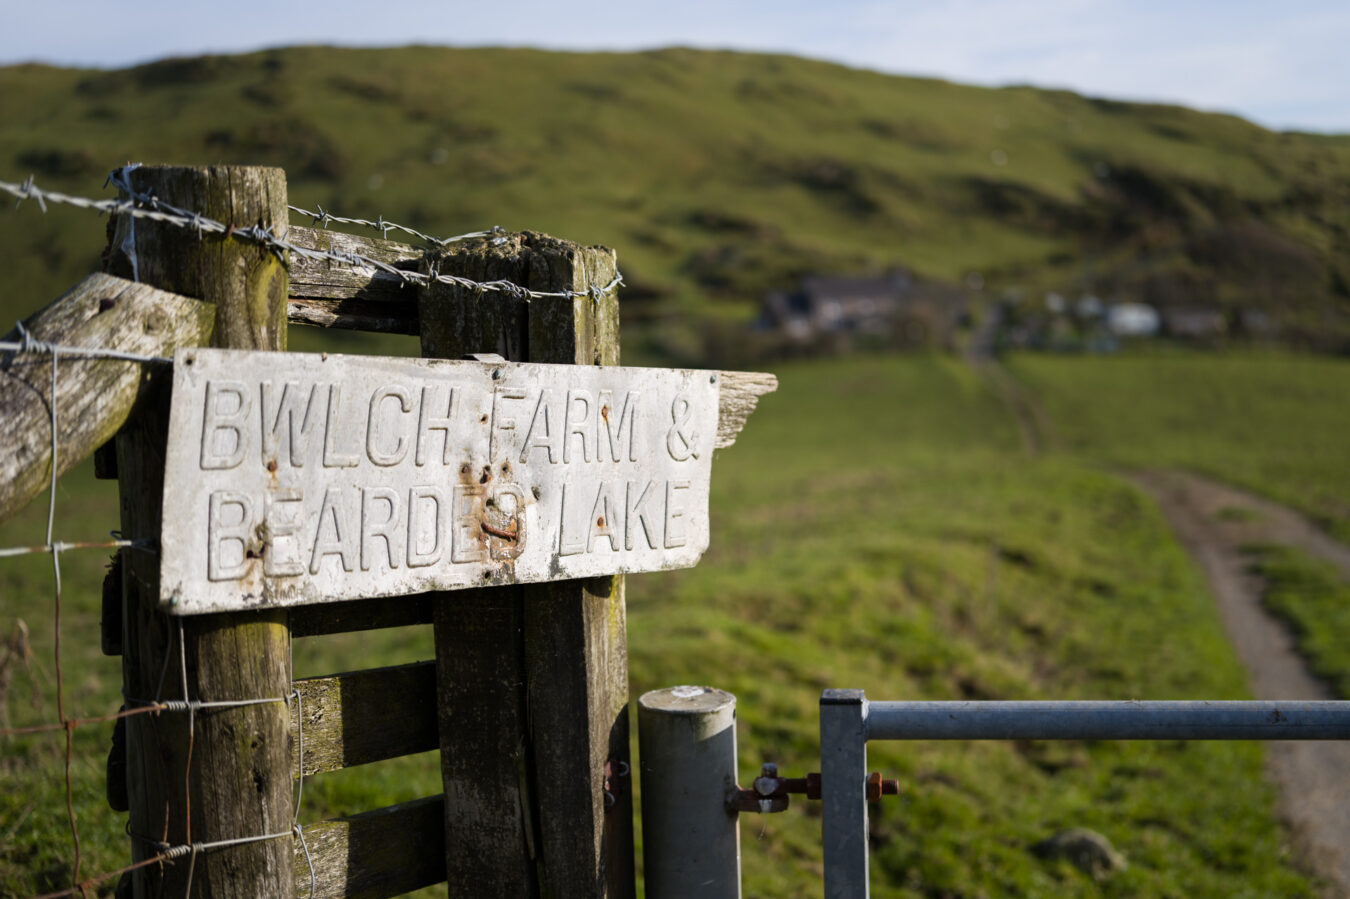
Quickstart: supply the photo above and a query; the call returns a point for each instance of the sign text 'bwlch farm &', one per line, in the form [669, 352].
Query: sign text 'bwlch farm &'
[294, 478]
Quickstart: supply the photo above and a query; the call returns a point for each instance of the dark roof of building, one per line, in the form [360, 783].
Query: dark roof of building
[838, 287]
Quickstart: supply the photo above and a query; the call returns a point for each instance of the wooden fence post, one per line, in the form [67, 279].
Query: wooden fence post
[532, 681]
[235, 774]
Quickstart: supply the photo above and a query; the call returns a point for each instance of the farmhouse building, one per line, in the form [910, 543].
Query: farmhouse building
[843, 312]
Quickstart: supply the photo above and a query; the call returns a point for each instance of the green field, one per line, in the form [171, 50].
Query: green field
[876, 526]
[1276, 423]
[1315, 600]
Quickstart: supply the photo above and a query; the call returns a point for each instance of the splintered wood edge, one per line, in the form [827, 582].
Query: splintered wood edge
[740, 394]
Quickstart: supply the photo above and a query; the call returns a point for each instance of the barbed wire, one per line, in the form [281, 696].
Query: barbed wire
[323, 217]
[146, 206]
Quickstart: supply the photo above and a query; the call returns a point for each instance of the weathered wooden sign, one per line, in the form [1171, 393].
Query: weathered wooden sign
[293, 478]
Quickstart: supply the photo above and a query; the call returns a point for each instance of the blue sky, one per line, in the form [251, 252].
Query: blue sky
[1284, 65]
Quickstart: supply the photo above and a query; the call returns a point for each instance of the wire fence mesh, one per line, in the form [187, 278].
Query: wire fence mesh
[18, 649]
[17, 653]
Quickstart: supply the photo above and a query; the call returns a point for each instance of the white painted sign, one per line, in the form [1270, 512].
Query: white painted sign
[293, 478]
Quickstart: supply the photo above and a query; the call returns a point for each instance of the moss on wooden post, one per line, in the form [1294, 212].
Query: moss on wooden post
[239, 780]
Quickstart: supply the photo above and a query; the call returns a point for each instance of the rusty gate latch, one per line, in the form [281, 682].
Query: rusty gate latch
[770, 793]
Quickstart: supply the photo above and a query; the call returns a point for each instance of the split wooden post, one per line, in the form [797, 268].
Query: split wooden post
[235, 774]
[94, 395]
[532, 681]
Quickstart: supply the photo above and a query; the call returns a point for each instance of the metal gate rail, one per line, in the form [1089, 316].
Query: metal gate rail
[848, 721]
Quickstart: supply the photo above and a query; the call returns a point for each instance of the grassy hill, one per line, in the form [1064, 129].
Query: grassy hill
[716, 175]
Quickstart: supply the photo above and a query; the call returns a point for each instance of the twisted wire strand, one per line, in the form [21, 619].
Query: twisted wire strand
[323, 217]
[141, 205]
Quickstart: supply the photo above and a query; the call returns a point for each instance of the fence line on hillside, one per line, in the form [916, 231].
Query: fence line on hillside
[146, 206]
[165, 852]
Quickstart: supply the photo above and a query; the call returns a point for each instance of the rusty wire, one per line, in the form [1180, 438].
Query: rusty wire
[55, 548]
[73, 723]
[167, 852]
[62, 546]
[82, 888]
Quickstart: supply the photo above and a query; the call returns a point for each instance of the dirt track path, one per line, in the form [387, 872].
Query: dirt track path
[1213, 521]
[1313, 778]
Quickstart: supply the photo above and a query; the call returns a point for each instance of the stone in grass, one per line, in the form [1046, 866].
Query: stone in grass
[1086, 850]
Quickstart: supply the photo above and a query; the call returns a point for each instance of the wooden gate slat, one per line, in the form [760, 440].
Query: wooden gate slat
[386, 852]
[358, 717]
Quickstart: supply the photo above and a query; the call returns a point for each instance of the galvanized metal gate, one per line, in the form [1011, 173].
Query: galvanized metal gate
[848, 721]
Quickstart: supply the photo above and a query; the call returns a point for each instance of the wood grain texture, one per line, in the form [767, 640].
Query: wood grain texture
[576, 645]
[358, 717]
[246, 282]
[376, 854]
[354, 315]
[532, 682]
[738, 397]
[322, 279]
[485, 762]
[93, 396]
[236, 777]
[484, 737]
[328, 294]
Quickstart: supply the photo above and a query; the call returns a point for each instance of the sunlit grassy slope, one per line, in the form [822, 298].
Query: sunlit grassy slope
[1276, 423]
[875, 526]
[715, 175]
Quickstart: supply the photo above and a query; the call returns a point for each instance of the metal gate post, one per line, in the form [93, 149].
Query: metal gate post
[687, 746]
[843, 789]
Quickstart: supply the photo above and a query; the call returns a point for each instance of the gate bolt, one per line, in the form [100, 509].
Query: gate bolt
[876, 787]
[614, 769]
[770, 793]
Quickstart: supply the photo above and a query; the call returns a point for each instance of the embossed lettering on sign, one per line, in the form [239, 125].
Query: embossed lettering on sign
[681, 439]
[225, 411]
[284, 510]
[338, 450]
[288, 420]
[616, 426]
[296, 479]
[540, 433]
